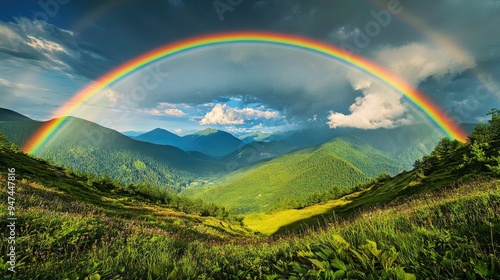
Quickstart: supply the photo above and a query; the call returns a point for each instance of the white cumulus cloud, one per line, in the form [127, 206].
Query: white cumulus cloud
[223, 114]
[167, 109]
[381, 106]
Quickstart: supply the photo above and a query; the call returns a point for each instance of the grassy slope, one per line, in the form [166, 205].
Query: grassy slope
[65, 219]
[337, 164]
[290, 176]
[399, 187]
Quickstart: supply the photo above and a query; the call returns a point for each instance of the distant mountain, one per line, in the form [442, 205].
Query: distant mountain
[9, 115]
[314, 136]
[256, 151]
[162, 137]
[212, 142]
[89, 147]
[132, 133]
[405, 144]
[209, 141]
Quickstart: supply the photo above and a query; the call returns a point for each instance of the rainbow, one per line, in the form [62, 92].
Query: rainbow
[428, 108]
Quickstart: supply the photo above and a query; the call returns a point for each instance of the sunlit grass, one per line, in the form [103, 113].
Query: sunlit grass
[270, 223]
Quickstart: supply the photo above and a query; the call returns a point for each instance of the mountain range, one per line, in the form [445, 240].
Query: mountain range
[210, 141]
[90, 148]
[286, 181]
[286, 160]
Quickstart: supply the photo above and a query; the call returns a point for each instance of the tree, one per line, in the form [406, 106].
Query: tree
[494, 126]
[443, 148]
[495, 165]
[4, 142]
[481, 134]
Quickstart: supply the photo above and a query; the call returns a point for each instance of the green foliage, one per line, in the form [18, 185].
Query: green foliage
[337, 259]
[483, 147]
[105, 184]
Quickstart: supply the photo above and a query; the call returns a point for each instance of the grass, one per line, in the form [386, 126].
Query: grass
[270, 223]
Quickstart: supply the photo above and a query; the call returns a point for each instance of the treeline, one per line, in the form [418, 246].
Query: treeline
[165, 197]
[479, 155]
[160, 196]
[121, 165]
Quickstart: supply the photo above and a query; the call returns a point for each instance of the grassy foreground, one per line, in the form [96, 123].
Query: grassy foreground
[452, 234]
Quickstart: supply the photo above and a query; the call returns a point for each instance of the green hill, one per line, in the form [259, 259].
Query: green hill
[160, 136]
[9, 115]
[67, 222]
[451, 163]
[289, 180]
[90, 148]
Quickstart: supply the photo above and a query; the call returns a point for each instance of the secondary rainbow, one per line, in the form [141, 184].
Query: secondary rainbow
[429, 109]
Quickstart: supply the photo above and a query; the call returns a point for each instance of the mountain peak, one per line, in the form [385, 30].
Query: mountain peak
[158, 129]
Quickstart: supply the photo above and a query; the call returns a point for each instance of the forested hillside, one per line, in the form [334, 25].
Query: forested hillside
[87, 147]
[291, 180]
[451, 163]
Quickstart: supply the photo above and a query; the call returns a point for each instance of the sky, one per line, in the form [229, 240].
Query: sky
[448, 49]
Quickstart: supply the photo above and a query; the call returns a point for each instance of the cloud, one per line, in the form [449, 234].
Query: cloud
[374, 110]
[174, 112]
[416, 61]
[176, 3]
[167, 109]
[223, 114]
[49, 47]
[382, 107]
[293, 82]
[19, 86]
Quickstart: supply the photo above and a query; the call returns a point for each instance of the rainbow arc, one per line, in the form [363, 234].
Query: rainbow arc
[415, 97]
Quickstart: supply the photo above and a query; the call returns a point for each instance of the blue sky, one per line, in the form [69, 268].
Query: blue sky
[51, 49]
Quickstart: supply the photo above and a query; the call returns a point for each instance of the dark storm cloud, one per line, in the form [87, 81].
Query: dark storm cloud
[51, 48]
